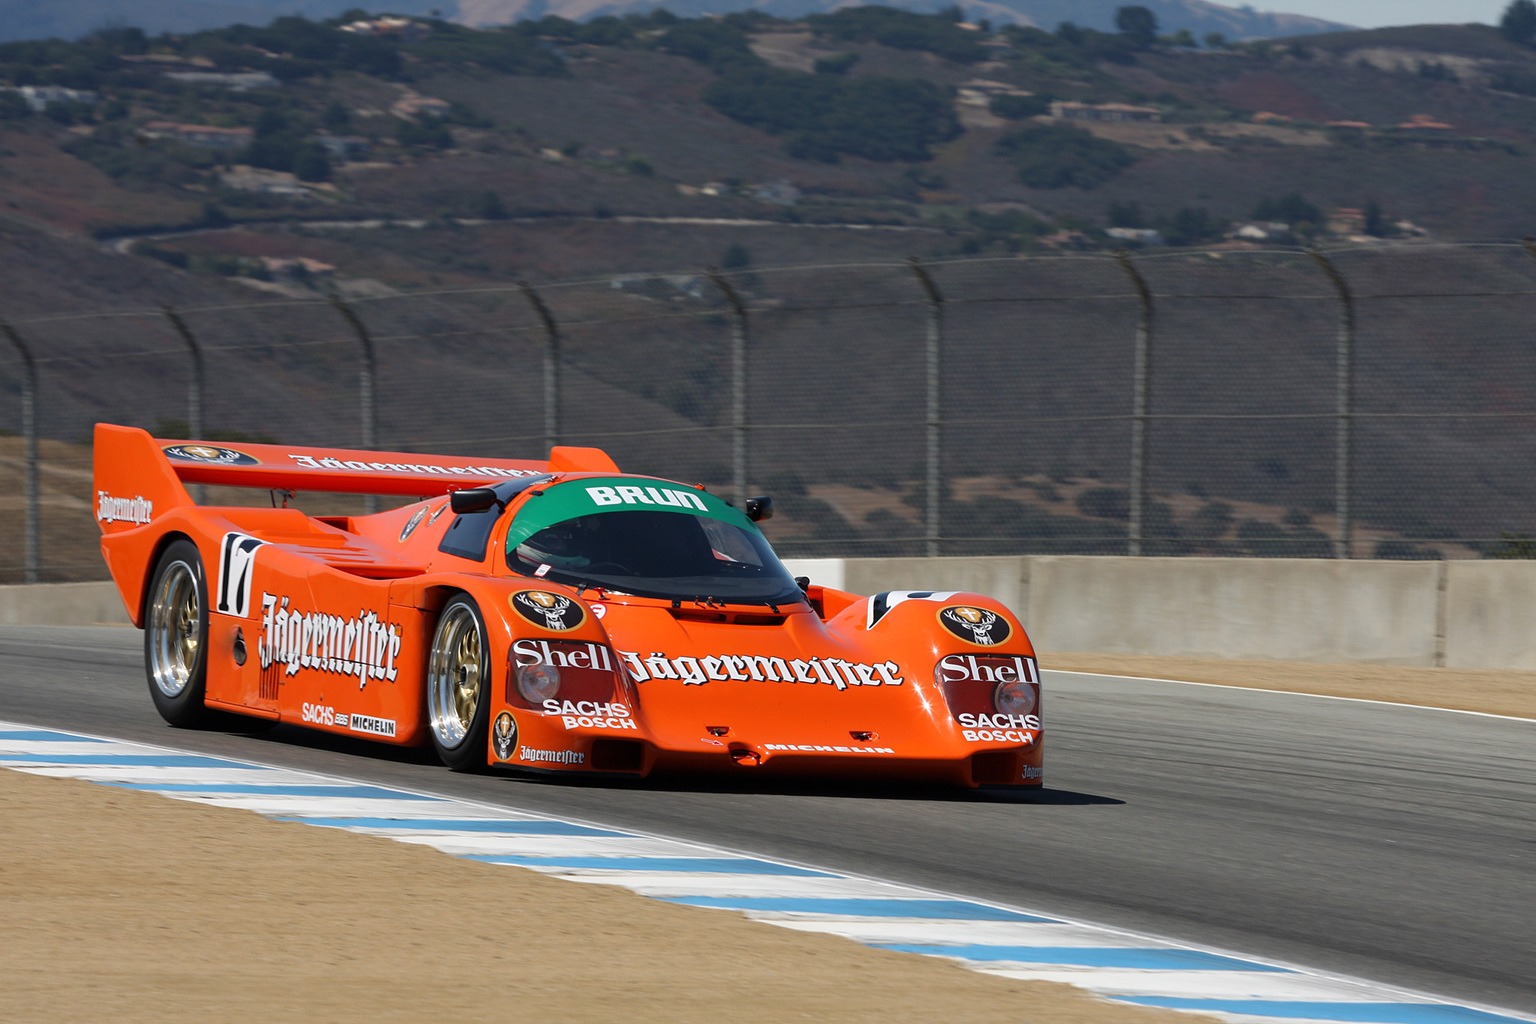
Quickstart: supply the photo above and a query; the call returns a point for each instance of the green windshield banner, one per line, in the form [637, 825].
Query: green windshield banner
[587, 497]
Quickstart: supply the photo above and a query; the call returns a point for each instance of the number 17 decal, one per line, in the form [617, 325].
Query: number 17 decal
[237, 565]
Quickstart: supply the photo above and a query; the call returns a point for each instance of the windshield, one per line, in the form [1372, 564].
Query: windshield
[646, 537]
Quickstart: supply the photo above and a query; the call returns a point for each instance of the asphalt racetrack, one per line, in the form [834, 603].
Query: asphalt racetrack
[1390, 843]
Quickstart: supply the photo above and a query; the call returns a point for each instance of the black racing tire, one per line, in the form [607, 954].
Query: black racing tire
[459, 686]
[176, 636]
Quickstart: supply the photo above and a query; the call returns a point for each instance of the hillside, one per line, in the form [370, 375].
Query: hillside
[20, 19]
[249, 173]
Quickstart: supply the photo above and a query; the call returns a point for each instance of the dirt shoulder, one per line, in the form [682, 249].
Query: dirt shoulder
[132, 905]
[1491, 692]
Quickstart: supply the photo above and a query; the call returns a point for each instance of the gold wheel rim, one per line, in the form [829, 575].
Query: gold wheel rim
[464, 670]
[454, 674]
[175, 623]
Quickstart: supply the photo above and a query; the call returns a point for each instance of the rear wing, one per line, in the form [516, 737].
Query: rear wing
[137, 477]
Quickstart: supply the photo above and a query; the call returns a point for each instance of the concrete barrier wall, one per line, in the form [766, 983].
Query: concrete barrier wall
[1461, 614]
[61, 604]
[1296, 609]
[1490, 614]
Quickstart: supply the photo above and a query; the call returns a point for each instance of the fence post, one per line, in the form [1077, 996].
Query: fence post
[1344, 384]
[194, 387]
[1141, 405]
[934, 406]
[551, 365]
[738, 386]
[366, 379]
[29, 451]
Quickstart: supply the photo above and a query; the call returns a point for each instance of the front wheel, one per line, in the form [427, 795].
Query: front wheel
[458, 685]
[176, 636]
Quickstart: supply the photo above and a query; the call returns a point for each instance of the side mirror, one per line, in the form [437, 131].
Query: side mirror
[760, 508]
[473, 499]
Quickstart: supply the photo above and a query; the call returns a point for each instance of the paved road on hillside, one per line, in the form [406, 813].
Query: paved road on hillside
[1390, 843]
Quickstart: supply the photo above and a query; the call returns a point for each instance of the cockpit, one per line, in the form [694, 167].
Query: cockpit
[650, 538]
[646, 537]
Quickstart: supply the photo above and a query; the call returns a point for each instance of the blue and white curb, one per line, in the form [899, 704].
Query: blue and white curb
[1012, 942]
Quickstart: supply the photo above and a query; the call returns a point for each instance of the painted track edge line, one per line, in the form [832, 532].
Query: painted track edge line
[1296, 693]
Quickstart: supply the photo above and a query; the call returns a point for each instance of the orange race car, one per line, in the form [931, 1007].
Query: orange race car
[553, 616]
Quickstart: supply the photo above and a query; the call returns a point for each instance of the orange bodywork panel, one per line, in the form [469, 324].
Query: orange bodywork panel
[328, 622]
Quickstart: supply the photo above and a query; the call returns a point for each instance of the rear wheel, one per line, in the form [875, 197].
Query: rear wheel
[458, 685]
[176, 636]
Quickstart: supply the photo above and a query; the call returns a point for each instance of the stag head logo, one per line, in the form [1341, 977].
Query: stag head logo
[551, 611]
[975, 625]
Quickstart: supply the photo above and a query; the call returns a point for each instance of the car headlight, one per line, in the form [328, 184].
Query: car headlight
[1015, 698]
[538, 683]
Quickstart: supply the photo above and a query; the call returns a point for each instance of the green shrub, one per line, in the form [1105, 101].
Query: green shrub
[1058, 156]
[174, 257]
[826, 116]
[428, 133]
[491, 207]
[901, 30]
[1292, 209]
[720, 43]
[13, 107]
[1138, 24]
[840, 64]
[1017, 108]
[1511, 545]
[311, 164]
[1105, 503]
[1191, 225]
[1213, 519]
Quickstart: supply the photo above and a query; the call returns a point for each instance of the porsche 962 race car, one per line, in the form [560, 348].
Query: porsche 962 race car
[555, 616]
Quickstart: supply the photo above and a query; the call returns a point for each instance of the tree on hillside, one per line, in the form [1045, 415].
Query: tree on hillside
[1293, 209]
[1375, 221]
[1139, 24]
[1519, 22]
[1058, 156]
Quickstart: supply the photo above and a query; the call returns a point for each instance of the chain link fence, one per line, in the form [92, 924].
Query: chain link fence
[1361, 402]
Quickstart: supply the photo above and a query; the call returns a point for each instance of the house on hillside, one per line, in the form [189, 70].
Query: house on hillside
[413, 106]
[236, 81]
[345, 147]
[1138, 236]
[1426, 123]
[167, 59]
[288, 268]
[39, 96]
[780, 192]
[979, 92]
[403, 29]
[205, 135]
[1262, 231]
[1064, 110]
[1346, 220]
[275, 183]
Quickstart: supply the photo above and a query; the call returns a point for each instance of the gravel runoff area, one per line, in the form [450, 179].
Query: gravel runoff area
[130, 906]
[1491, 692]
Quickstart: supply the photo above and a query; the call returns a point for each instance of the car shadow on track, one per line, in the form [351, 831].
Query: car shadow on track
[824, 788]
[297, 737]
